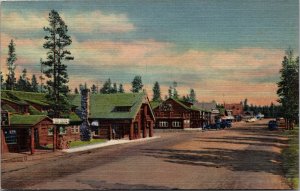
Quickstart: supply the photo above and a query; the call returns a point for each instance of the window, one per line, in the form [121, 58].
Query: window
[122, 109]
[10, 136]
[50, 131]
[186, 121]
[176, 124]
[75, 129]
[62, 130]
[163, 124]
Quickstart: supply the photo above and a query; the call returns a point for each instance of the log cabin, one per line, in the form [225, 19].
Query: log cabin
[178, 114]
[26, 112]
[118, 116]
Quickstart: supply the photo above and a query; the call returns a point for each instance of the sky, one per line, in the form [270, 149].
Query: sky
[225, 50]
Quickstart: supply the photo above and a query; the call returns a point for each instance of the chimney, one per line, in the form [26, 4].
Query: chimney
[85, 112]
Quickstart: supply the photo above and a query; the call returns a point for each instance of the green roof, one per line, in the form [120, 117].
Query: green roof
[183, 105]
[104, 105]
[72, 116]
[154, 104]
[26, 119]
[7, 108]
[21, 97]
[34, 111]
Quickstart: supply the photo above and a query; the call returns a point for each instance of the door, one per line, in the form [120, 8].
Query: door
[36, 138]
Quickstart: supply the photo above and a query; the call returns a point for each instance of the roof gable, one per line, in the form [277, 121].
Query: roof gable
[29, 120]
[106, 106]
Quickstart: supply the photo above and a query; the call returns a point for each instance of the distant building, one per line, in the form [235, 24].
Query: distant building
[209, 107]
[178, 114]
[234, 109]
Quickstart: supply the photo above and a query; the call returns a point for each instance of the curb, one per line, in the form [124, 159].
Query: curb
[107, 143]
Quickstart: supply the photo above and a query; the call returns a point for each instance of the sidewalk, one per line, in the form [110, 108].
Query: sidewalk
[108, 143]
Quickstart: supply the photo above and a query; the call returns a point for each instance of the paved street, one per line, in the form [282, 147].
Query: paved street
[246, 156]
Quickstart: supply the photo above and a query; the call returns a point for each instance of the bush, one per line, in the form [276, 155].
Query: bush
[290, 156]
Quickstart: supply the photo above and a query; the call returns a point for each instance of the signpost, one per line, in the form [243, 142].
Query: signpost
[58, 121]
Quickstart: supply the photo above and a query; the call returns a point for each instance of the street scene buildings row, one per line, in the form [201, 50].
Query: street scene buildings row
[25, 125]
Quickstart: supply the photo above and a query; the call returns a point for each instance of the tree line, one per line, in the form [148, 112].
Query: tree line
[24, 83]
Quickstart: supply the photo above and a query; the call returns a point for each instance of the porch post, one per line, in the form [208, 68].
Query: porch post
[131, 131]
[145, 121]
[151, 129]
[54, 138]
[110, 133]
[32, 141]
[139, 124]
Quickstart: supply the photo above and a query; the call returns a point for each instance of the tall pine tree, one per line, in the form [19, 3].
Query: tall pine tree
[94, 89]
[2, 80]
[288, 88]
[11, 66]
[34, 84]
[23, 83]
[156, 92]
[57, 40]
[121, 89]
[106, 89]
[137, 84]
[192, 96]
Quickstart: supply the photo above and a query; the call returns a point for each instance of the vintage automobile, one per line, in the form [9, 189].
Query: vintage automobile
[272, 125]
[226, 123]
[216, 126]
[253, 119]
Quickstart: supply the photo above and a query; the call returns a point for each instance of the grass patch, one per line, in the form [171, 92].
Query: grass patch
[83, 143]
[290, 156]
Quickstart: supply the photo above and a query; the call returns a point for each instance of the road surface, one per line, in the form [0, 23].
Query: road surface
[246, 156]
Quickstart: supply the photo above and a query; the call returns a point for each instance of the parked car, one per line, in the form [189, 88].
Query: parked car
[272, 125]
[260, 116]
[226, 123]
[253, 119]
[216, 126]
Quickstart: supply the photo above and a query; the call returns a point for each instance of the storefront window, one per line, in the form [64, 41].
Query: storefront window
[50, 131]
[75, 129]
[10, 136]
[62, 130]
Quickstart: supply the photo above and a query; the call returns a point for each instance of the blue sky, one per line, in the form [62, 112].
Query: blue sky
[213, 46]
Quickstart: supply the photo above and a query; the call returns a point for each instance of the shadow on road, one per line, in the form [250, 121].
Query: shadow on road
[235, 160]
[103, 185]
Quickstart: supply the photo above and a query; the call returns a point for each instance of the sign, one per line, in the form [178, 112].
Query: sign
[95, 123]
[4, 118]
[61, 121]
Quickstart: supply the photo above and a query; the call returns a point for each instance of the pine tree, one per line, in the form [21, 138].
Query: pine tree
[288, 88]
[246, 106]
[57, 40]
[2, 81]
[23, 83]
[115, 88]
[121, 89]
[137, 84]
[12, 57]
[106, 89]
[41, 77]
[192, 96]
[94, 89]
[34, 84]
[175, 93]
[156, 92]
[76, 91]
[172, 92]
[186, 98]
